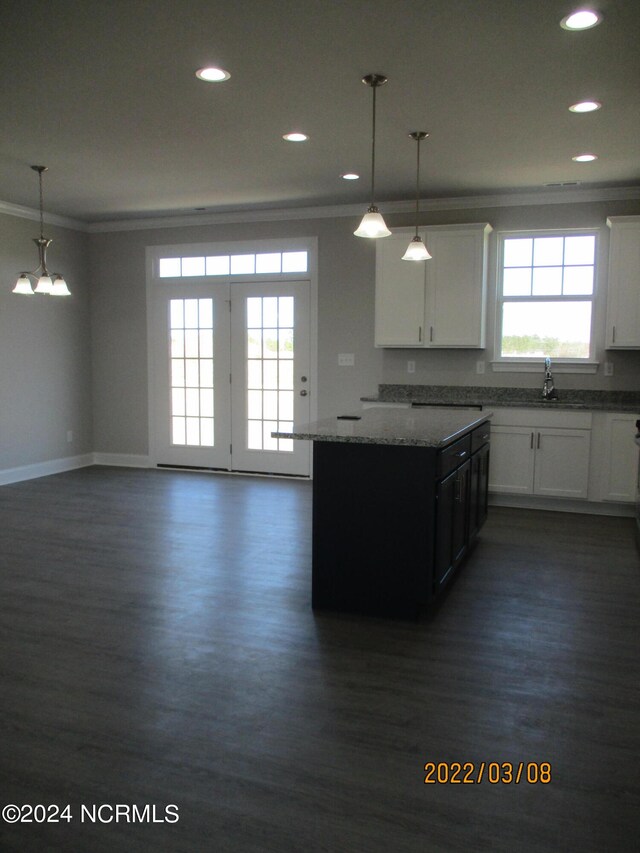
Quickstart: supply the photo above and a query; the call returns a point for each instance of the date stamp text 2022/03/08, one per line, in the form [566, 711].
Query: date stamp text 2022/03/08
[492, 772]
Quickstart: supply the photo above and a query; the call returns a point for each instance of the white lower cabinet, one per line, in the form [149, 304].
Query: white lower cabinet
[553, 462]
[619, 456]
[540, 453]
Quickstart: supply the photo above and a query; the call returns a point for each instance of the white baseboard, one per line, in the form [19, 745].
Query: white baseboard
[562, 505]
[44, 469]
[70, 463]
[122, 460]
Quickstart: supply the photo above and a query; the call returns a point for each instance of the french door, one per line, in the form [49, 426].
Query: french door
[231, 366]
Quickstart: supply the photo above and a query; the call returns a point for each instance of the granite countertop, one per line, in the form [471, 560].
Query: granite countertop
[526, 398]
[411, 427]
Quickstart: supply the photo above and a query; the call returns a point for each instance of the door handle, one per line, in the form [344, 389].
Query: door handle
[303, 393]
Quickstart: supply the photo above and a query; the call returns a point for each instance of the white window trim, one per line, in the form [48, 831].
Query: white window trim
[532, 365]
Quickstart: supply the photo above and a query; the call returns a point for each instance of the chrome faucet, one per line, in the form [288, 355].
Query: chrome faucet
[548, 389]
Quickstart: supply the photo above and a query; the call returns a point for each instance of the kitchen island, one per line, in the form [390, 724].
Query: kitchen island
[399, 497]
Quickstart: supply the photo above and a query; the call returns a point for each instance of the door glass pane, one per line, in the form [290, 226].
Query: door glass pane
[191, 336]
[270, 395]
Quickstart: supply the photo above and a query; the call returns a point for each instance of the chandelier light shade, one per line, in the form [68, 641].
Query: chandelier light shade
[373, 225]
[416, 250]
[52, 284]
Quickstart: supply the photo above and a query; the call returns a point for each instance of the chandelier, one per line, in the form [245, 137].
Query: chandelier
[46, 282]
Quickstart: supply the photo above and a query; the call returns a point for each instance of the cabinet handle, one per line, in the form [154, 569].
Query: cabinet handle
[460, 454]
[613, 339]
[430, 333]
[458, 493]
[538, 441]
[419, 334]
[531, 441]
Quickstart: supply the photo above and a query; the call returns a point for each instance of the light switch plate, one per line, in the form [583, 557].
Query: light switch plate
[479, 366]
[411, 367]
[608, 368]
[346, 359]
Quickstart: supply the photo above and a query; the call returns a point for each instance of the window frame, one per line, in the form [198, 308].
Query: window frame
[527, 364]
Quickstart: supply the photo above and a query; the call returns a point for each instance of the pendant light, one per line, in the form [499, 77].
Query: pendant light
[416, 250]
[46, 282]
[373, 224]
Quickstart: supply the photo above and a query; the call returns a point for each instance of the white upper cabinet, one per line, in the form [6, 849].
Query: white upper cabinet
[435, 303]
[623, 302]
[400, 294]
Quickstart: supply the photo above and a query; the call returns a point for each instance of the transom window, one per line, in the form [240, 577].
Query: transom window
[546, 294]
[262, 263]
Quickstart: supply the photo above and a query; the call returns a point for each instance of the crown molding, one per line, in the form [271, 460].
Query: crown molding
[520, 199]
[247, 215]
[50, 218]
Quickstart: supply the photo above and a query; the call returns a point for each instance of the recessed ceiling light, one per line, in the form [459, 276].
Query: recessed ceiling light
[212, 75]
[585, 107]
[295, 137]
[584, 158]
[350, 176]
[581, 19]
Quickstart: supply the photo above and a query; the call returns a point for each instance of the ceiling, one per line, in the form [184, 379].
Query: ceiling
[104, 94]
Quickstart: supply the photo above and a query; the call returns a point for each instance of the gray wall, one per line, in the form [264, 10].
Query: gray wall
[345, 319]
[45, 350]
[80, 364]
[458, 367]
[345, 315]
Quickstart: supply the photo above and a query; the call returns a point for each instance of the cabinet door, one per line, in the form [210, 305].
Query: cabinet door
[620, 458]
[456, 288]
[562, 462]
[460, 525]
[478, 496]
[452, 522]
[445, 502]
[512, 460]
[400, 289]
[623, 303]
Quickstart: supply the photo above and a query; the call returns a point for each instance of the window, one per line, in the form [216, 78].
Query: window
[546, 294]
[238, 265]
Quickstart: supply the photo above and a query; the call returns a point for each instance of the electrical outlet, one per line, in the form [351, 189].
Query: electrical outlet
[479, 366]
[346, 359]
[411, 367]
[69, 436]
[608, 368]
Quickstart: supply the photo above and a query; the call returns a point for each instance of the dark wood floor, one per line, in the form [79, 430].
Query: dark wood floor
[157, 646]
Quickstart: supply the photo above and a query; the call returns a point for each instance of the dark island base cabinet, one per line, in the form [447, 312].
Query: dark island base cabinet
[392, 523]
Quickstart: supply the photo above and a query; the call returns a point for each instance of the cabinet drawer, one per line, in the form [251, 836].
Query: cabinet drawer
[453, 456]
[480, 436]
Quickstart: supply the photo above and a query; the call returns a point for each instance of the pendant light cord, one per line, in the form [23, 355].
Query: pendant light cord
[374, 86]
[418, 186]
[41, 207]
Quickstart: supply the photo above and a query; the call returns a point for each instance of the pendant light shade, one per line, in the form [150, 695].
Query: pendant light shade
[416, 250]
[373, 225]
[52, 284]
